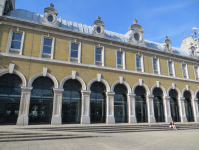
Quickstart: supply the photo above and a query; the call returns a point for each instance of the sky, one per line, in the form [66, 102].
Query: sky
[157, 17]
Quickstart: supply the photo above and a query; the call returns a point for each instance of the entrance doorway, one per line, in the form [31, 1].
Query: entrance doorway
[188, 107]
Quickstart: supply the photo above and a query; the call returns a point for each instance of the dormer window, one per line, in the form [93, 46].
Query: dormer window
[98, 29]
[137, 37]
[50, 18]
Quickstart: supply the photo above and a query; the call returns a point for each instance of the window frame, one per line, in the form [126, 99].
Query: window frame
[196, 72]
[123, 66]
[72, 59]
[158, 71]
[173, 68]
[186, 70]
[12, 50]
[102, 62]
[142, 63]
[45, 55]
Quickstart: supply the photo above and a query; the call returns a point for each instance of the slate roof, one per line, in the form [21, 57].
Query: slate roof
[36, 18]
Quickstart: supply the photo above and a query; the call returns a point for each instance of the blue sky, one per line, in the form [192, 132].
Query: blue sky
[157, 17]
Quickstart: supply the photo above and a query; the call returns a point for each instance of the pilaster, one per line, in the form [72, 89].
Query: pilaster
[57, 107]
[110, 119]
[195, 109]
[85, 111]
[182, 110]
[167, 109]
[24, 106]
[151, 118]
[131, 108]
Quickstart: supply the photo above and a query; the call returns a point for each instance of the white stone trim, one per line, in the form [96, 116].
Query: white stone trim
[11, 67]
[142, 62]
[56, 84]
[158, 65]
[23, 78]
[125, 83]
[102, 63]
[123, 66]
[173, 67]
[161, 87]
[78, 59]
[194, 66]
[71, 77]
[45, 70]
[11, 50]
[51, 56]
[196, 93]
[93, 66]
[108, 89]
[186, 70]
[144, 85]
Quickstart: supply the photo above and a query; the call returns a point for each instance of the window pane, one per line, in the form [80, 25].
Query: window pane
[137, 58]
[50, 18]
[15, 45]
[98, 50]
[138, 65]
[155, 67]
[47, 50]
[98, 57]
[74, 46]
[119, 55]
[154, 61]
[136, 36]
[119, 61]
[16, 36]
[74, 54]
[48, 42]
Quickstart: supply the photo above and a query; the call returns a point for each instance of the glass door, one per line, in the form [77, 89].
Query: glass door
[188, 109]
[141, 109]
[158, 109]
[174, 109]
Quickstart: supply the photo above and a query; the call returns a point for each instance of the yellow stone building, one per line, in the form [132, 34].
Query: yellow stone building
[56, 71]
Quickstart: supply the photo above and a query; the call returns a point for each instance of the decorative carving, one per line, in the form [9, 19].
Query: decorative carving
[193, 51]
[50, 17]
[167, 45]
[136, 34]
[98, 28]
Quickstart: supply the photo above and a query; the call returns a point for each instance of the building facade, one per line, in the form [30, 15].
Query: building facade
[55, 71]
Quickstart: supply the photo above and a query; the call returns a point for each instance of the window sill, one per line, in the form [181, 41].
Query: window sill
[98, 63]
[14, 51]
[72, 59]
[44, 55]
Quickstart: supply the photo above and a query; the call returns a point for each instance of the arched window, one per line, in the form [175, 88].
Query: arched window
[120, 103]
[10, 94]
[140, 104]
[97, 103]
[158, 105]
[41, 101]
[188, 107]
[174, 105]
[71, 102]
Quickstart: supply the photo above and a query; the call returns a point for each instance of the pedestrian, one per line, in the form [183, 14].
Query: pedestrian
[172, 125]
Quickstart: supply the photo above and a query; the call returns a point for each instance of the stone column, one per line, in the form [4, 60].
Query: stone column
[150, 108]
[57, 107]
[85, 111]
[182, 110]
[110, 119]
[167, 109]
[195, 109]
[24, 106]
[131, 108]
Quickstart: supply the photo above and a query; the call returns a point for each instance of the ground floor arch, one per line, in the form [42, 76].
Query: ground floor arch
[174, 106]
[188, 106]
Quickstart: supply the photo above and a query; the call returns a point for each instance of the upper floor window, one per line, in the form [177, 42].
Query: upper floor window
[99, 55]
[75, 51]
[196, 72]
[120, 59]
[171, 68]
[15, 43]
[185, 70]
[47, 47]
[139, 62]
[156, 65]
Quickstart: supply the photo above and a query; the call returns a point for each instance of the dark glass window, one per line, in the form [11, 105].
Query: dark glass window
[97, 103]
[187, 94]
[47, 46]
[140, 90]
[173, 93]
[74, 50]
[10, 94]
[157, 92]
[120, 103]
[50, 18]
[98, 29]
[174, 105]
[119, 58]
[188, 107]
[71, 102]
[16, 40]
[41, 101]
[138, 61]
[170, 68]
[98, 54]
[137, 37]
[155, 65]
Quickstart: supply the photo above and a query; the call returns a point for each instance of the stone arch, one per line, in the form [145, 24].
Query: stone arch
[108, 89]
[161, 87]
[144, 85]
[178, 91]
[23, 78]
[125, 83]
[56, 84]
[77, 78]
[192, 93]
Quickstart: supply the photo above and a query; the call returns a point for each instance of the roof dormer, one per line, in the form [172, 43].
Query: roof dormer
[98, 28]
[50, 17]
[136, 34]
